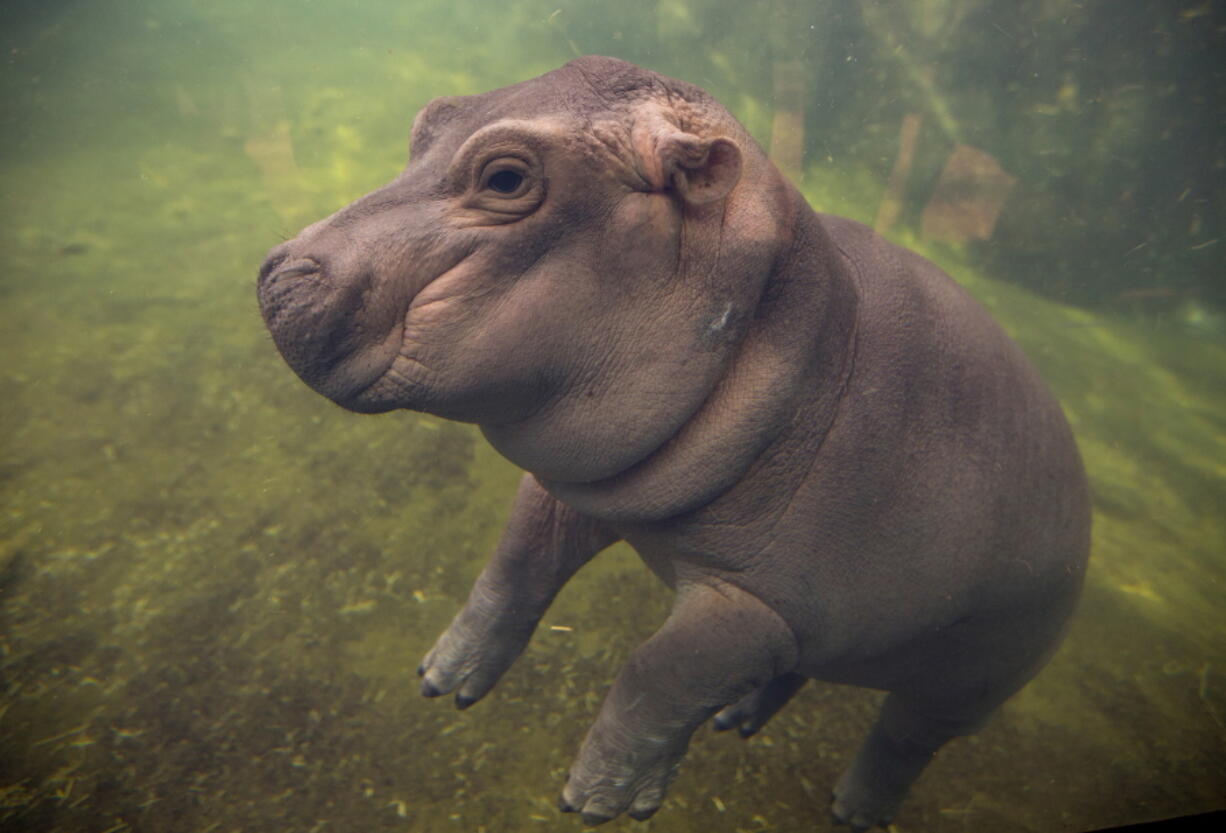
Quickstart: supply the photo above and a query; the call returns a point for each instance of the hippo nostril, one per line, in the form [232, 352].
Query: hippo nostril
[275, 258]
[270, 265]
[280, 266]
[298, 268]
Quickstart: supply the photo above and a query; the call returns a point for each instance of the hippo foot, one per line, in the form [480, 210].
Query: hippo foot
[869, 793]
[861, 810]
[749, 714]
[471, 656]
[631, 780]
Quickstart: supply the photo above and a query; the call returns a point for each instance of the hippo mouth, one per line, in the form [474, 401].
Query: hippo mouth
[321, 327]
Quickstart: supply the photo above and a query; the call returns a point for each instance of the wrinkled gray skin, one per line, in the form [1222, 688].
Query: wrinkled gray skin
[842, 466]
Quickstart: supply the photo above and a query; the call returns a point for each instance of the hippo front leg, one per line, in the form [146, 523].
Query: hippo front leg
[718, 644]
[543, 545]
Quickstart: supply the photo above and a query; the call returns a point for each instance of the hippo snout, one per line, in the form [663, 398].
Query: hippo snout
[316, 312]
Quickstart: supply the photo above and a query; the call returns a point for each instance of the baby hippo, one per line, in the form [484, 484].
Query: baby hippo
[841, 465]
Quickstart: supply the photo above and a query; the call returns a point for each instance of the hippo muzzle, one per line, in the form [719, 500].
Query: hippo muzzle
[335, 299]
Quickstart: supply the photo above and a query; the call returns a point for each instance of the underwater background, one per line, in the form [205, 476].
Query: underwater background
[215, 585]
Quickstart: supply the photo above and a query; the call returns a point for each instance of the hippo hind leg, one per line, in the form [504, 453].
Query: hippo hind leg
[946, 701]
[899, 746]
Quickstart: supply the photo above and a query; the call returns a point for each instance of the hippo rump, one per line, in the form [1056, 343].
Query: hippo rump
[841, 465]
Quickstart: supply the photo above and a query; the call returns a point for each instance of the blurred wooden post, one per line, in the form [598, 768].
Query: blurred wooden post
[968, 198]
[787, 148]
[896, 188]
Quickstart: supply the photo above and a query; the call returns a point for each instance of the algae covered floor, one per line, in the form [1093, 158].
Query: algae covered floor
[215, 586]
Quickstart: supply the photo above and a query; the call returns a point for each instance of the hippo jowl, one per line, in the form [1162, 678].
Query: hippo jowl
[841, 465]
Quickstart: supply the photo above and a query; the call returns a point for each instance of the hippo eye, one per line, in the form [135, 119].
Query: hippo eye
[507, 189]
[505, 182]
[506, 177]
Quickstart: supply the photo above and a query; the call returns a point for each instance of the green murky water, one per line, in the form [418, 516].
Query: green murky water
[215, 586]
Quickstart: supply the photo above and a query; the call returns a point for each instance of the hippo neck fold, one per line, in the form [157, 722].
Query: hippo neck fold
[802, 330]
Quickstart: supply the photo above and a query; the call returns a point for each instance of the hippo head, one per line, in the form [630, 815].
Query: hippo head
[569, 262]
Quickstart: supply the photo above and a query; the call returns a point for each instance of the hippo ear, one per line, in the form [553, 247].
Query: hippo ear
[701, 170]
